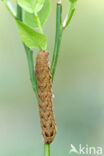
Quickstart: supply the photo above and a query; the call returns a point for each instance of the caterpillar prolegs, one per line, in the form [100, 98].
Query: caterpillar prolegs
[44, 84]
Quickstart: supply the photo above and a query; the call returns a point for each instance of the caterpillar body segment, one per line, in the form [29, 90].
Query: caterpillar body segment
[44, 84]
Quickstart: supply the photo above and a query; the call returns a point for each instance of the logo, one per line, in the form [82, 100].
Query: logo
[86, 150]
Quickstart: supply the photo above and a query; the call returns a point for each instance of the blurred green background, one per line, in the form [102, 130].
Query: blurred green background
[78, 85]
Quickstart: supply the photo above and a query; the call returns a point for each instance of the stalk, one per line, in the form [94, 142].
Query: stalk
[8, 5]
[38, 22]
[29, 54]
[59, 30]
[46, 149]
[58, 38]
[19, 12]
[69, 15]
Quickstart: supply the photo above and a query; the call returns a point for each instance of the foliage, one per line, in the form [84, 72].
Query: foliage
[43, 14]
[32, 6]
[30, 37]
[72, 1]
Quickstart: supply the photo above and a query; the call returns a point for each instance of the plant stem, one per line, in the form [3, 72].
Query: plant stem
[10, 8]
[57, 38]
[69, 15]
[59, 31]
[46, 149]
[19, 12]
[29, 54]
[38, 22]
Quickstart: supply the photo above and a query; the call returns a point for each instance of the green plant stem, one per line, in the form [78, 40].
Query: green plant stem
[46, 149]
[59, 31]
[10, 8]
[19, 12]
[38, 22]
[69, 15]
[29, 54]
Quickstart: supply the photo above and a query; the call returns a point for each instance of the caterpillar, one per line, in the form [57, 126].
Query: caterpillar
[44, 84]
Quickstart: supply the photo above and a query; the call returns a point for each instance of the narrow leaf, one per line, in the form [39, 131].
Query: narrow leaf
[43, 14]
[30, 37]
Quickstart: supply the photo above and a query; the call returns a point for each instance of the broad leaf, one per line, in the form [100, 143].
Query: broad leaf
[30, 37]
[32, 6]
[43, 14]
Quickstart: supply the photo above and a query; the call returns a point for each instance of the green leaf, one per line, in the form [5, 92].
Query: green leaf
[72, 1]
[30, 37]
[31, 6]
[43, 14]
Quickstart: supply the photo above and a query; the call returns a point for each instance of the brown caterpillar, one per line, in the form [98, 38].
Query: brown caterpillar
[44, 84]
